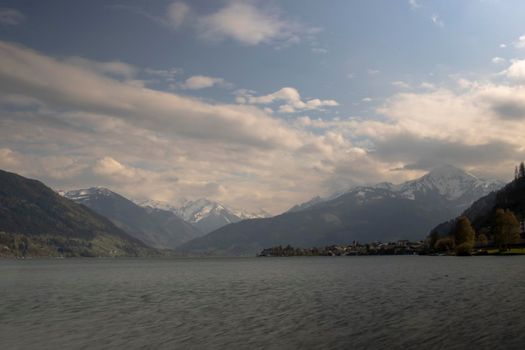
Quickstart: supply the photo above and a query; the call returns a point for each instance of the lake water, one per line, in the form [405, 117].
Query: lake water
[396, 302]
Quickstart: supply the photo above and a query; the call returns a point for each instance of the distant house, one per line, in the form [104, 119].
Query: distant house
[402, 243]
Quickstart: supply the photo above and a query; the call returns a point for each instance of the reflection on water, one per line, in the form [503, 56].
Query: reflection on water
[272, 303]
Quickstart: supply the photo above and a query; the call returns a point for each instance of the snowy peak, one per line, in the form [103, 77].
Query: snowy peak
[153, 204]
[444, 182]
[195, 211]
[87, 193]
[203, 213]
[449, 182]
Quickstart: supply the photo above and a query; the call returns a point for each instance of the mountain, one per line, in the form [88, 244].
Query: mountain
[446, 181]
[36, 221]
[153, 204]
[481, 212]
[315, 200]
[155, 227]
[383, 212]
[205, 214]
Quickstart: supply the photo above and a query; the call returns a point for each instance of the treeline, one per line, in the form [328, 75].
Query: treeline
[519, 171]
[504, 231]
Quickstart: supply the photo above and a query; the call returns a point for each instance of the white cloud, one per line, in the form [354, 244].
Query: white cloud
[10, 17]
[319, 50]
[116, 171]
[437, 21]
[520, 43]
[112, 68]
[498, 60]
[291, 97]
[62, 131]
[401, 84]
[427, 85]
[373, 71]
[84, 127]
[197, 82]
[177, 14]
[502, 46]
[367, 99]
[7, 158]
[250, 25]
[414, 4]
[516, 70]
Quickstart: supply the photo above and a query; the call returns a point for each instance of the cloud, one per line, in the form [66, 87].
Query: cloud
[111, 68]
[401, 84]
[424, 153]
[291, 97]
[59, 120]
[197, 82]
[414, 4]
[24, 71]
[437, 21]
[244, 22]
[520, 43]
[319, 50]
[502, 46]
[116, 171]
[10, 17]
[373, 71]
[516, 70]
[177, 13]
[498, 60]
[427, 85]
[76, 125]
[7, 158]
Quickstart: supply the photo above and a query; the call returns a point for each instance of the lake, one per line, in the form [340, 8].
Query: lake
[370, 302]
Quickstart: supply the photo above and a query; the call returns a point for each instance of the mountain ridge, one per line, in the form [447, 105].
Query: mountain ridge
[155, 227]
[205, 214]
[386, 212]
[33, 213]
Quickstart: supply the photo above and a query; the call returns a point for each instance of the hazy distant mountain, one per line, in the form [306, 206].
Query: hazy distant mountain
[205, 214]
[367, 213]
[155, 227]
[36, 221]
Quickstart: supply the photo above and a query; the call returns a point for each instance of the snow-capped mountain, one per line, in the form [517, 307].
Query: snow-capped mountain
[450, 182]
[383, 212]
[155, 227]
[446, 181]
[205, 214]
[150, 203]
[86, 194]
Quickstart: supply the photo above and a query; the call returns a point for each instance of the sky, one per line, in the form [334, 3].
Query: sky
[258, 104]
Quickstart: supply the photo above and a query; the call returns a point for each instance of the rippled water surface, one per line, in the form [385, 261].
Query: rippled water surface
[264, 303]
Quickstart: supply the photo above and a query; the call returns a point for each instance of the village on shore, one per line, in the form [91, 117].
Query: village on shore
[400, 247]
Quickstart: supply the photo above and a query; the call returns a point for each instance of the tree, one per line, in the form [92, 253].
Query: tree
[505, 229]
[444, 244]
[464, 236]
[463, 231]
[482, 239]
[433, 238]
[521, 171]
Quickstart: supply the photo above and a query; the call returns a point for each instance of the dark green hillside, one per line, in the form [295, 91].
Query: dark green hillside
[32, 212]
[482, 211]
